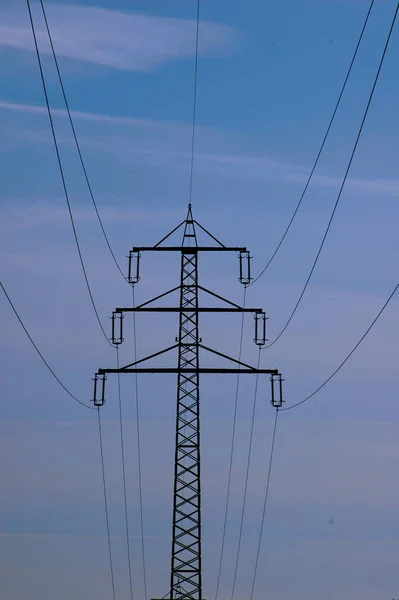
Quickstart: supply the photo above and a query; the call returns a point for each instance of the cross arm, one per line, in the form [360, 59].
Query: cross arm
[203, 309]
[188, 249]
[200, 370]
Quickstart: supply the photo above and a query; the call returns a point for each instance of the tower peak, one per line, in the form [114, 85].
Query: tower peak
[189, 233]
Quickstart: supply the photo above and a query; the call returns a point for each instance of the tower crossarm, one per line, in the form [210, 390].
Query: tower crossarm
[199, 371]
[209, 309]
[232, 306]
[188, 249]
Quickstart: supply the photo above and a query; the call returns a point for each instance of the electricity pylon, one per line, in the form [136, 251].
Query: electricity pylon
[186, 571]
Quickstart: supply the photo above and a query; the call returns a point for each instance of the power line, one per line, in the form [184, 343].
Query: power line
[62, 171]
[264, 504]
[233, 434]
[139, 450]
[111, 567]
[194, 101]
[246, 479]
[39, 353]
[343, 181]
[355, 347]
[77, 141]
[322, 145]
[124, 476]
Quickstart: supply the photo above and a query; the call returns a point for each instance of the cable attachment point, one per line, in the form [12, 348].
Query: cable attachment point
[99, 388]
[117, 327]
[245, 268]
[134, 267]
[277, 398]
[260, 338]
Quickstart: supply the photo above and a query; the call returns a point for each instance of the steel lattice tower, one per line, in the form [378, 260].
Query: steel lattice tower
[186, 537]
[186, 568]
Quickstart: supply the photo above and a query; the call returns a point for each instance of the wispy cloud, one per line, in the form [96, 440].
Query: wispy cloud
[22, 215]
[263, 167]
[42, 110]
[165, 144]
[112, 38]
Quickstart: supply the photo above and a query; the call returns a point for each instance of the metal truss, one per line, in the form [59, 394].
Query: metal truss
[186, 567]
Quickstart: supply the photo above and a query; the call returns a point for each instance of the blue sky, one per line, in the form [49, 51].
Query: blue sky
[269, 74]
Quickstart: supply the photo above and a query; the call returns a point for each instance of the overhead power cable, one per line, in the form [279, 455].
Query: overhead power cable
[194, 101]
[266, 496]
[322, 144]
[332, 119]
[139, 450]
[82, 162]
[355, 347]
[62, 173]
[343, 181]
[129, 562]
[233, 435]
[39, 353]
[246, 478]
[111, 567]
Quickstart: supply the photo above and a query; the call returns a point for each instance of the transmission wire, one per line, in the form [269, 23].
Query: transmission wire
[231, 451]
[264, 504]
[124, 476]
[343, 181]
[332, 119]
[106, 505]
[246, 478]
[139, 450]
[194, 101]
[39, 353]
[355, 347]
[298, 404]
[62, 171]
[77, 141]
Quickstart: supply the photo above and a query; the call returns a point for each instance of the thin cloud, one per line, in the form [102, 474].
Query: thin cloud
[263, 167]
[42, 110]
[161, 144]
[112, 38]
[21, 215]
